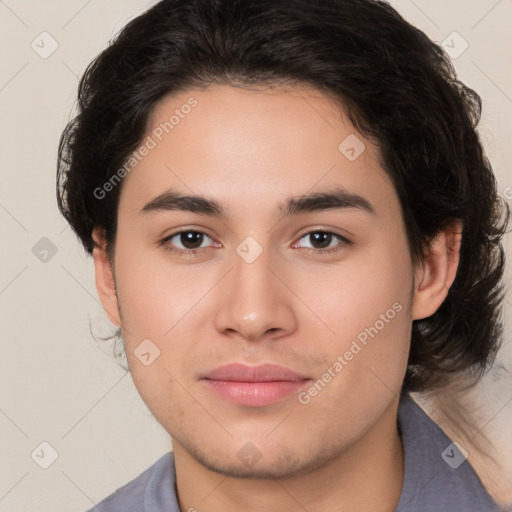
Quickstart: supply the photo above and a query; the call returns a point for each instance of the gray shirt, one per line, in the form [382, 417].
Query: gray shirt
[437, 478]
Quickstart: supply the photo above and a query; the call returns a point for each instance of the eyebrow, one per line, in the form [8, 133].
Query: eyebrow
[338, 198]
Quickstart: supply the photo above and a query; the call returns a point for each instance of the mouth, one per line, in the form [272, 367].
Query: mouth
[254, 386]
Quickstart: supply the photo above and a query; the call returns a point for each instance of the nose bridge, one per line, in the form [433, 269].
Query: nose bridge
[254, 301]
[252, 288]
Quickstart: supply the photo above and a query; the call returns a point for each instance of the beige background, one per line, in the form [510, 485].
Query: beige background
[57, 385]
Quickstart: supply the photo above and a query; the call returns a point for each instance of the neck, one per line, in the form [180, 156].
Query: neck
[365, 476]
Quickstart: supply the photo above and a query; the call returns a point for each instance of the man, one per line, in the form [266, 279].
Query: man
[292, 224]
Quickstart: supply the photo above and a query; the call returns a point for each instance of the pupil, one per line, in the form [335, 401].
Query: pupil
[324, 239]
[191, 238]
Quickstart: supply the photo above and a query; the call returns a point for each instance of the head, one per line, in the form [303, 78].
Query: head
[246, 108]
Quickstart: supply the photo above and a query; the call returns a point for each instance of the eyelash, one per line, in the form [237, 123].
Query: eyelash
[191, 253]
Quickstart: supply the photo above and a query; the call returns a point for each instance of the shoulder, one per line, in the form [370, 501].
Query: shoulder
[133, 495]
[437, 474]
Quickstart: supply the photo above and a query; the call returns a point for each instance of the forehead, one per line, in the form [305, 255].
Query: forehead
[241, 145]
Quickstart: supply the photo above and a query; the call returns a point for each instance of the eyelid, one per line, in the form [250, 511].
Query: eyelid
[329, 230]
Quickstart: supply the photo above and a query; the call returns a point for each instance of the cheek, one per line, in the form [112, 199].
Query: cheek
[364, 308]
[166, 304]
[352, 295]
[385, 330]
[154, 294]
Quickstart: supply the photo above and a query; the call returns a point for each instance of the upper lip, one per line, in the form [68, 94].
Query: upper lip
[262, 373]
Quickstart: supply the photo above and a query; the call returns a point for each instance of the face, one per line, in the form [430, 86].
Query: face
[320, 287]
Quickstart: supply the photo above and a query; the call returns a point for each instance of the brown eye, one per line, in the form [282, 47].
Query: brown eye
[187, 242]
[322, 241]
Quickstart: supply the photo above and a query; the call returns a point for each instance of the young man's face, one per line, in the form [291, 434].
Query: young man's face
[341, 315]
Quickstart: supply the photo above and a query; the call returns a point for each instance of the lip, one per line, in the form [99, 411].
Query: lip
[254, 385]
[262, 373]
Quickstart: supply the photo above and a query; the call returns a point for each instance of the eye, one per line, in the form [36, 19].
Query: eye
[192, 242]
[321, 242]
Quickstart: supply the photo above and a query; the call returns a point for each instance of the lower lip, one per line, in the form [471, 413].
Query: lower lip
[254, 393]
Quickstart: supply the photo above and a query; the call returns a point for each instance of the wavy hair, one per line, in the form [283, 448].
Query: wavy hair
[398, 88]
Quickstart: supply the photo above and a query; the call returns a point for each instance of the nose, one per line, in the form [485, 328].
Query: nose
[255, 303]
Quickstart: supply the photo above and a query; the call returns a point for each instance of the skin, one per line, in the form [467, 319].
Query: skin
[250, 150]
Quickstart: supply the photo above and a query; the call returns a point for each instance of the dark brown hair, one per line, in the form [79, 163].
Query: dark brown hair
[399, 89]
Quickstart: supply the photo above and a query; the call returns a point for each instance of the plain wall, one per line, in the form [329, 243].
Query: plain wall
[58, 386]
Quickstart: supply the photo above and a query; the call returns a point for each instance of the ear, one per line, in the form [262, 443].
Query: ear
[435, 275]
[105, 283]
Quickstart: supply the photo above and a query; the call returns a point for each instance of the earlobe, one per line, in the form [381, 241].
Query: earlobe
[104, 277]
[435, 275]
